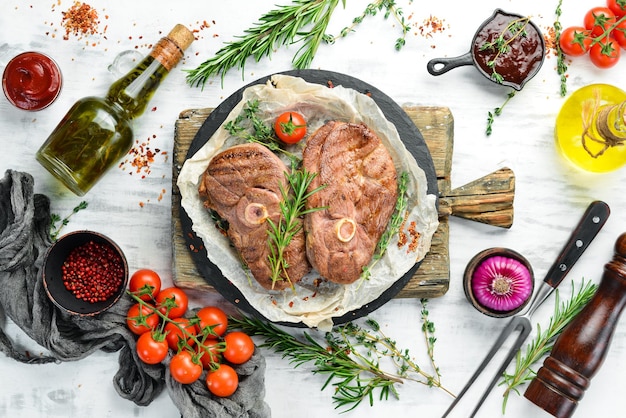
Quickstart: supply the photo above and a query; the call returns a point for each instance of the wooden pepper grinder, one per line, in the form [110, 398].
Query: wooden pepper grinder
[581, 348]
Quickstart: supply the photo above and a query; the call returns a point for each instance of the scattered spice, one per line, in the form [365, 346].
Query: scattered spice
[141, 157]
[432, 25]
[80, 20]
[93, 272]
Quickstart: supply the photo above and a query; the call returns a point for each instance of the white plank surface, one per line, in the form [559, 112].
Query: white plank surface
[550, 195]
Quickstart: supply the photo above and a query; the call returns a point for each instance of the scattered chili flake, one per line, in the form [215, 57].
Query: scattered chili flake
[549, 37]
[79, 20]
[415, 237]
[141, 156]
[430, 26]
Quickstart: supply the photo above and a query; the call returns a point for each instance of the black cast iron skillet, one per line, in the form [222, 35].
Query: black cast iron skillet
[409, 135]
[438, 66]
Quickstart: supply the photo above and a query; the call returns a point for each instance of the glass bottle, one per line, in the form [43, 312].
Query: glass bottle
[590, 128]
[96, 132]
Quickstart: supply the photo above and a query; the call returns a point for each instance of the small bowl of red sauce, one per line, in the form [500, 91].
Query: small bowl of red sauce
[31, 81]
[85, 273]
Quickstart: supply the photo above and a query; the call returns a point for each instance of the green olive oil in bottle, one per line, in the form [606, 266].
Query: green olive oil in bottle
[96, 132]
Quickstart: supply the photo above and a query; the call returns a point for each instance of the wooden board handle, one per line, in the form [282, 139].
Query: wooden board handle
[488, 199]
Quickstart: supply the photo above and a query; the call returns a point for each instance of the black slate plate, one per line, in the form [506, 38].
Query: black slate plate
[409, 134]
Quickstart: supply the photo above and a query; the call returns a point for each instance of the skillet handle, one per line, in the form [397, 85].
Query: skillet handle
[590, 224]
[438, 66]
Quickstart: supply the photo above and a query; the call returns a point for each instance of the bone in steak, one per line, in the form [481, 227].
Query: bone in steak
[360, 196]
[242, 184]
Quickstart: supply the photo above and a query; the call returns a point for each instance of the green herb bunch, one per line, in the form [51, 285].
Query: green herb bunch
[352, 358]
[541, 345]
[303, 21]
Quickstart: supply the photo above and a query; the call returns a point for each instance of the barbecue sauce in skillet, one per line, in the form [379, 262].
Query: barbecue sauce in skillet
[524, 55]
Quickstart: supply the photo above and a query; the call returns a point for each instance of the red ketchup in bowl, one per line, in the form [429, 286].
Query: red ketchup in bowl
[31, 81]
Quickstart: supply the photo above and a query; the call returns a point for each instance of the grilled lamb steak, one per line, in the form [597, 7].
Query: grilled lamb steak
[242, 184]
[360, 196]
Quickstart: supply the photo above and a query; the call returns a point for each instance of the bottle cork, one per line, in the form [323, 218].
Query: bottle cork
[181, 36]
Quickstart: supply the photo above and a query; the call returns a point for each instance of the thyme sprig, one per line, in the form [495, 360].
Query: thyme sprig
[55, 229]
[561, 65]
[395, 223]
[541, 345]
[250, 127]
[501, 45]
[292, 209]
[390, 7]
[351, 357]
[497, 112]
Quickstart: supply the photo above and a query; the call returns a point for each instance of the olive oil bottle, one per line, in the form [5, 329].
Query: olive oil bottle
[590, 129]
[97, 132]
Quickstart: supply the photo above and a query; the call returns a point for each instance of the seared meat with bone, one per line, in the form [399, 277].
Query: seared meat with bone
[242, 184]
[360, 195]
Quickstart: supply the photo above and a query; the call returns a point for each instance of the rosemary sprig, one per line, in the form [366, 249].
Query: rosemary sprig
[281, 26]
[497, 112]
[292, 209]
[561, 65]
[303, 21]
[351, 358]
[395, 223]
[564, 313]
[54, 219]
[501, 44]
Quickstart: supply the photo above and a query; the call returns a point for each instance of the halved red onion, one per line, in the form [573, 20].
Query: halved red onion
[501, 283]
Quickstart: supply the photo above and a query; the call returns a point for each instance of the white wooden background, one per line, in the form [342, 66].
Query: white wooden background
[550, 195]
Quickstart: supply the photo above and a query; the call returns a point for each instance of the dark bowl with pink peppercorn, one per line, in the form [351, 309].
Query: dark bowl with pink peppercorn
[85, 273]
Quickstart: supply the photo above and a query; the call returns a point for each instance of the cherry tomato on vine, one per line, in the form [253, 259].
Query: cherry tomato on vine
[605, 53]
[618, 7]
[175, 332]
[223, 381]
[214, 317]
[184, 369]
[598, 20]
[290, 127]
[151, 349]
[174, 299]
[145, 283]
[210, 353]
[575, 41]
[619, 34]
[141, 319]
[239, 347]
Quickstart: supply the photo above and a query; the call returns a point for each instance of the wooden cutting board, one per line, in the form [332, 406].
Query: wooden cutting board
[488, 200]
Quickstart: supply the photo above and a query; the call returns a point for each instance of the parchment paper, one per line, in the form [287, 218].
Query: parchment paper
[311, 302]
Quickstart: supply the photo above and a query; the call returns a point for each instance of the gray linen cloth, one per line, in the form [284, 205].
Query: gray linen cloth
[24, 240]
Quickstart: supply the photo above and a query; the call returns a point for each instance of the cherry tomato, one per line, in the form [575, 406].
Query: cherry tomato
[290, 127]
[173, 302]
[598, 20]
[619, 33]
[223, 381]
[145, 283]
[605, 53]
[210, 353]
[212, 316]
[239, 347]
[575, 41]
[618, 7]
[184, 368]
[175, 332]
[151, 349]
[140, 321]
